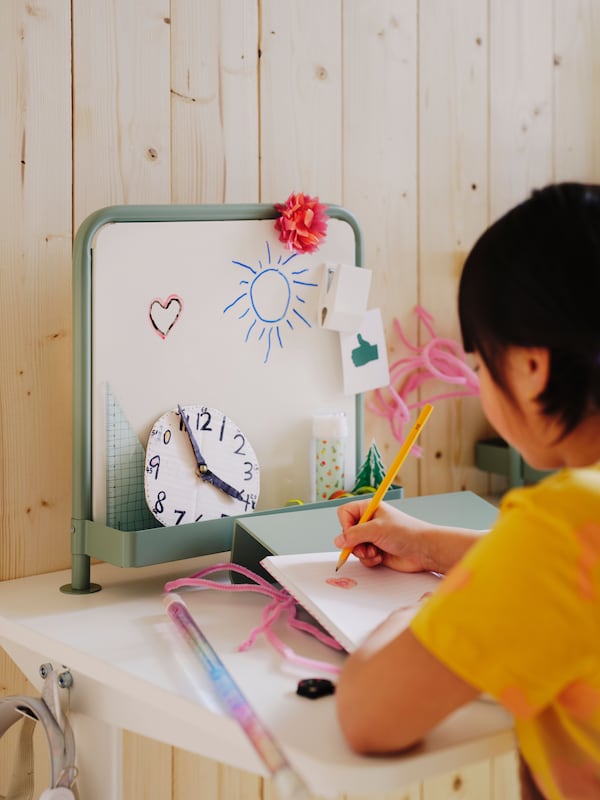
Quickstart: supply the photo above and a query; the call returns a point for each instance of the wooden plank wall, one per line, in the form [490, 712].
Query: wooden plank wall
[425, 118]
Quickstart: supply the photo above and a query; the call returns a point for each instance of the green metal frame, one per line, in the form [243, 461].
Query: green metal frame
[91, 539]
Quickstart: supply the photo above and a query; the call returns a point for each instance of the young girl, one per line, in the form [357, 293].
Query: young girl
[518, 614]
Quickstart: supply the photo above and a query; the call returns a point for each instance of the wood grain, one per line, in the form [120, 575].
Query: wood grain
[427, 119]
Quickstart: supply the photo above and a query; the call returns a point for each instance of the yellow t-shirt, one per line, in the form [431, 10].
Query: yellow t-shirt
[519, 618]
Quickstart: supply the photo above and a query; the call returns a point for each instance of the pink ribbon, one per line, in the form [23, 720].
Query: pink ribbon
[282, 605]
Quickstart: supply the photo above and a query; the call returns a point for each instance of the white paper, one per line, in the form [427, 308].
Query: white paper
[348, 614]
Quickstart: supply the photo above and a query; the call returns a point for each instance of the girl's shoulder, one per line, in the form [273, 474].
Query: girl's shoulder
[564, 486]
[565, 502]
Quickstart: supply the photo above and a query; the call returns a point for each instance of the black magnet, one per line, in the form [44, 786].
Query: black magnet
[315, 687]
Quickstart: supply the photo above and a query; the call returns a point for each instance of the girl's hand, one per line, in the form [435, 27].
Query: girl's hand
[391, 537]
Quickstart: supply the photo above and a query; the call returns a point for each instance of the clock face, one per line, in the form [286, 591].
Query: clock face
[199, 465]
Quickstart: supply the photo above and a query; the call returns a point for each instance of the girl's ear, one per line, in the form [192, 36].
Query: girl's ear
[536, 370]
[529, 368]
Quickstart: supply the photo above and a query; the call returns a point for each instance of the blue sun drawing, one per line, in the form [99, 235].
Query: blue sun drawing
[271, 300]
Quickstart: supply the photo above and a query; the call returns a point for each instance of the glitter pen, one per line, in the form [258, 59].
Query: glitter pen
[288, 784]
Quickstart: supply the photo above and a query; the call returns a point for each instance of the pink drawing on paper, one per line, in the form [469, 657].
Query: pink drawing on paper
[165, 313]
[342, 583]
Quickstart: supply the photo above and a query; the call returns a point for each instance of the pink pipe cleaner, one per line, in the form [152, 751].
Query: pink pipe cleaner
[282, 605]
[439, 359]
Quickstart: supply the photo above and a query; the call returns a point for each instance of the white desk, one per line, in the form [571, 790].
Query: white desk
[118, 646]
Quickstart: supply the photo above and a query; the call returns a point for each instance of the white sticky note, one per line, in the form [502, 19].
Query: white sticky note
[343, 297]
[364, 355]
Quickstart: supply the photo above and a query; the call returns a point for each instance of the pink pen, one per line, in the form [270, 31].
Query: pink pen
[287, 782]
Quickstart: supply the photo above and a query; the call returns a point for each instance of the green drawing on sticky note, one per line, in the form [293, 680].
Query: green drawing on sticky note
[365, 352]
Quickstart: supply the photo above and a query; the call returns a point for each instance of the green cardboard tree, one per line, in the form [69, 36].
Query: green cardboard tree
[372, 471]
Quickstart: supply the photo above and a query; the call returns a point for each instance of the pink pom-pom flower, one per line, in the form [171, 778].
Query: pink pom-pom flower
[303, 222]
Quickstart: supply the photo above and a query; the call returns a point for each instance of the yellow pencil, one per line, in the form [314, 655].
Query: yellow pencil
[389, 476]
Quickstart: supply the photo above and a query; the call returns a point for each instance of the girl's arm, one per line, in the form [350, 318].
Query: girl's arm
[402, 542]
[392, 690]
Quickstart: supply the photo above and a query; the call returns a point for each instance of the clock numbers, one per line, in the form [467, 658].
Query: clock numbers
[249, 501]
[180, 514]
[207, 420]
[239, 451]
[153, 466]
[158, 506]
[205, 417]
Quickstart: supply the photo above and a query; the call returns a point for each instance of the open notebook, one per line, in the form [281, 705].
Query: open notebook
[358, 603]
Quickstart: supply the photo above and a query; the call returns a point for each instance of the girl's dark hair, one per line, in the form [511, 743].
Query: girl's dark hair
[533, 280]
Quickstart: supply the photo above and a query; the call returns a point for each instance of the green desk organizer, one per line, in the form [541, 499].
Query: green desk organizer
[150, 545]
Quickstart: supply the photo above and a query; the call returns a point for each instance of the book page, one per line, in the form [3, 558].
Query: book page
[349, 604]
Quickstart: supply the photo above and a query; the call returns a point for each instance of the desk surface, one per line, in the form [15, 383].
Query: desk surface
[128, 672]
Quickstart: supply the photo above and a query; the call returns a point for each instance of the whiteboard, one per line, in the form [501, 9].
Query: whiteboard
[214, 312]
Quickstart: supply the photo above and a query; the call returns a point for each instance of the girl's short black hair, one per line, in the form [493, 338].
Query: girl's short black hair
[533, 280]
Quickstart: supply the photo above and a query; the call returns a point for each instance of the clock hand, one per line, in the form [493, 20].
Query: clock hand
[210, 477]
[202, 467]
[203, 470]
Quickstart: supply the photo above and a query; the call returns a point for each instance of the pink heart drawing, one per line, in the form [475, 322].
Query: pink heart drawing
[164, 314]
